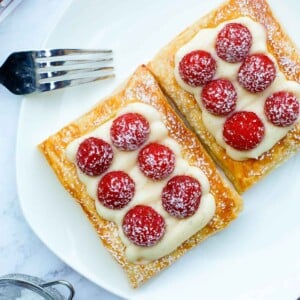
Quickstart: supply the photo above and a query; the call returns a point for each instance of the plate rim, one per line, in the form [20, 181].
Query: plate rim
[21, 116]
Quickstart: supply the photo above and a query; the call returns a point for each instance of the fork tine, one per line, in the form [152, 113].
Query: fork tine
[57, 63]
[62, 52]
[54, 85]
[58, 68]
[53, 73]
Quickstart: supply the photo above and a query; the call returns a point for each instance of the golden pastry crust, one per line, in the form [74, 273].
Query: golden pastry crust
[243, 174]
[141, 87]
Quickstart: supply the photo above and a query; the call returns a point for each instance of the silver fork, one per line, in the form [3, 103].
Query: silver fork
[46, 70]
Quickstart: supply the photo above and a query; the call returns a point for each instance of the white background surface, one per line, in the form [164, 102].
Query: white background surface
[263, 262]
[20, 250]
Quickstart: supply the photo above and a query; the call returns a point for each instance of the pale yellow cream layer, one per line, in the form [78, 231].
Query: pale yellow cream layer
[148, 192]
[205, 40]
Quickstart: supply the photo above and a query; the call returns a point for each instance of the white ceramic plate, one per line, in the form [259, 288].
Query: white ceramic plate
[7, 7]
[257, 257]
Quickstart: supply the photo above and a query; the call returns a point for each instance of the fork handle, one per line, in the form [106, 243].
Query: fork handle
[18, 73]
[1, 75]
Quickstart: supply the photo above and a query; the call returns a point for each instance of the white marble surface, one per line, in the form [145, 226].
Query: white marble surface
[20, 250]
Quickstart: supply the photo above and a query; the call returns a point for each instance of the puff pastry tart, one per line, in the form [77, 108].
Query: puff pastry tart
[142, 178]
[235, 76]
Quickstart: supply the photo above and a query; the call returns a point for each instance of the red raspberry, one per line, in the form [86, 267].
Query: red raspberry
[282, 109]
[116, 189]
[233, 42]
[243, 130]
[181, 196]
[197, 68]
[143, 226]
[219, 97]
[94, 156]
[256, 73]
[156, 161]
[129, 131]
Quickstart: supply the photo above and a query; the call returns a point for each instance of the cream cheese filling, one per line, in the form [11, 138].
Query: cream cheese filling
[205, 40]
[148, 192]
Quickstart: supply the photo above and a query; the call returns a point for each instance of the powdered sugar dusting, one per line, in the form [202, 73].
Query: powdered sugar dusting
[282, 109]
[219, 97]
[144, 226]
[94, 156]
[257, 73]
[129, 131]
[148, 191]
[254, 80]
[290, 66]
[156, 161]
[181, 196]
[285, 52]
[243, 130]
[197, 68]
[233, 42]
[54, 148]
[115, 189]
[144, 90]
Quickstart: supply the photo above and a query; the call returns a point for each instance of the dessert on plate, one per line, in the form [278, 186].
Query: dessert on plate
[235, 75]
[142, 178]
[134, 162]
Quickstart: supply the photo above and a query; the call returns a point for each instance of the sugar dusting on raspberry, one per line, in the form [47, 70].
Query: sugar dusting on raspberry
[139, 272]
[256, 73]
[109, 231]
[285, 52]
[233, 42]
[181, 196]
[219, 97]
[129, 131]
[94, 156]
[282, 108]
[144, 89]
[143, 226]
[290, 66]
[243, 130]
[156, 161]
[197, 68]
[115, 189]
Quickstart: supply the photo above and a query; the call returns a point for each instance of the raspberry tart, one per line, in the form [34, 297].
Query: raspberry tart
[246, 109]
[142, 178]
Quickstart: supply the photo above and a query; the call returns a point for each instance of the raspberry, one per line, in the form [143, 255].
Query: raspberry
[94, 156]
[282, 109]
[143, 226]
[156, 161]
[181, 196]
[233, 42]
[219, 97]
[116, 189]
[243, 130]
[129, 131]
[197, 68]
[256, 73]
